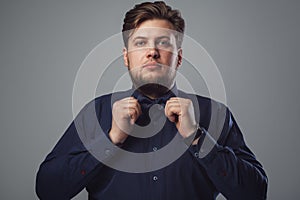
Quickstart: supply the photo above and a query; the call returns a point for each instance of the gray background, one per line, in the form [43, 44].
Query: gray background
[255, 44]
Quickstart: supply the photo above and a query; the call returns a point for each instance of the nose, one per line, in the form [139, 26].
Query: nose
[152, 53]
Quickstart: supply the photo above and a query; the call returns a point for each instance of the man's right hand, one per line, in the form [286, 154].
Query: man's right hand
[124, 114]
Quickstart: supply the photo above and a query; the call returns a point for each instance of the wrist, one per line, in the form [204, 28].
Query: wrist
[115, 137]
[194, 137]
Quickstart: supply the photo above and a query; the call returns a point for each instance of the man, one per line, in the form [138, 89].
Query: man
[145, 120]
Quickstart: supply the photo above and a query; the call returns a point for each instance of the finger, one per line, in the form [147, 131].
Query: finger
[133, 115]
[134, 112]
[127, 100]
[135, 105]
[173, 118]
[174, 99]
[179, 100]
[172, 111]
[139, 108]
[127, 108]
[168, 113]
[122, 103]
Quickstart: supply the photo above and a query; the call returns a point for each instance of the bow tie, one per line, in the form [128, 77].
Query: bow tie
[147, 103]
[155, 105]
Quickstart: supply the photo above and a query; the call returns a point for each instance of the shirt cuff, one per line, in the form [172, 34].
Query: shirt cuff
[206, 148]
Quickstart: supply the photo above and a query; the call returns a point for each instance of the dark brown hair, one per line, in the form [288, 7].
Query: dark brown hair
[152, 10]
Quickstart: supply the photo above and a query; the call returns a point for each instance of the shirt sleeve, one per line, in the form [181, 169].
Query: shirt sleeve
[70, 166]
[230, 165]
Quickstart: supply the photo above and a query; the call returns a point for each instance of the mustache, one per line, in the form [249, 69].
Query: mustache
[152, 63]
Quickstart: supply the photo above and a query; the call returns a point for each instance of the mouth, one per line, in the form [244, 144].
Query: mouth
[152, 65]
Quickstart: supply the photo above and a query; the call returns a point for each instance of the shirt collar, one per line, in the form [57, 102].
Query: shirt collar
[173, 92]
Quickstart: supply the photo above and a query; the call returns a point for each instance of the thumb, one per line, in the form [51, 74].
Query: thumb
[173, 118]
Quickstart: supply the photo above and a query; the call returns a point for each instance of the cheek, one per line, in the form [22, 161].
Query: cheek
[168, 53]
[169, 58]
[135, 58]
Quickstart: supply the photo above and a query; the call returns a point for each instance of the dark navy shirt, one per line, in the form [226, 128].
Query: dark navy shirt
[85, 158]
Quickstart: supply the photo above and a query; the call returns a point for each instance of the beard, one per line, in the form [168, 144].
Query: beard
[153, 86]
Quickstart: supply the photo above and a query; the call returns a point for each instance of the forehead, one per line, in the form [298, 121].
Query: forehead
[154, 28]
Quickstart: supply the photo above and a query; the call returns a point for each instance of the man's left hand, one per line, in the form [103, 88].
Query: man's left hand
[181, 112]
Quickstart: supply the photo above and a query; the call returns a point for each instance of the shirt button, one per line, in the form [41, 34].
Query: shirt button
[154, 149]
[155, 178]
[196, 154]
[107, 152]
[160, 107]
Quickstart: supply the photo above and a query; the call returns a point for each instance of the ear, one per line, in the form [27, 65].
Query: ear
[125, 57]
[179, 57]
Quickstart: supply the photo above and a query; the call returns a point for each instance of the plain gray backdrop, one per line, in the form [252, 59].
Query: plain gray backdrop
[255, 44]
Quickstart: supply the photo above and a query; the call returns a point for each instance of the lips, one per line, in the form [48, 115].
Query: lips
[151, 65]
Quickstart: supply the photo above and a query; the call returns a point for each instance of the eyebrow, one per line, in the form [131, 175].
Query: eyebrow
[138, 37]
[142, 37]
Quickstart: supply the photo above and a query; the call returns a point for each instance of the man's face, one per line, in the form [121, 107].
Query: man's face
[152, 55]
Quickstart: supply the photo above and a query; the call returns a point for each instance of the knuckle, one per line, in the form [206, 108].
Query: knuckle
[131, 111]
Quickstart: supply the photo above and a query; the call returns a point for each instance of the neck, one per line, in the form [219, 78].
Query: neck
[153, 91]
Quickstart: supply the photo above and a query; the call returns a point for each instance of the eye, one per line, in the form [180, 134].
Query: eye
[140, 43]
[164, 43]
